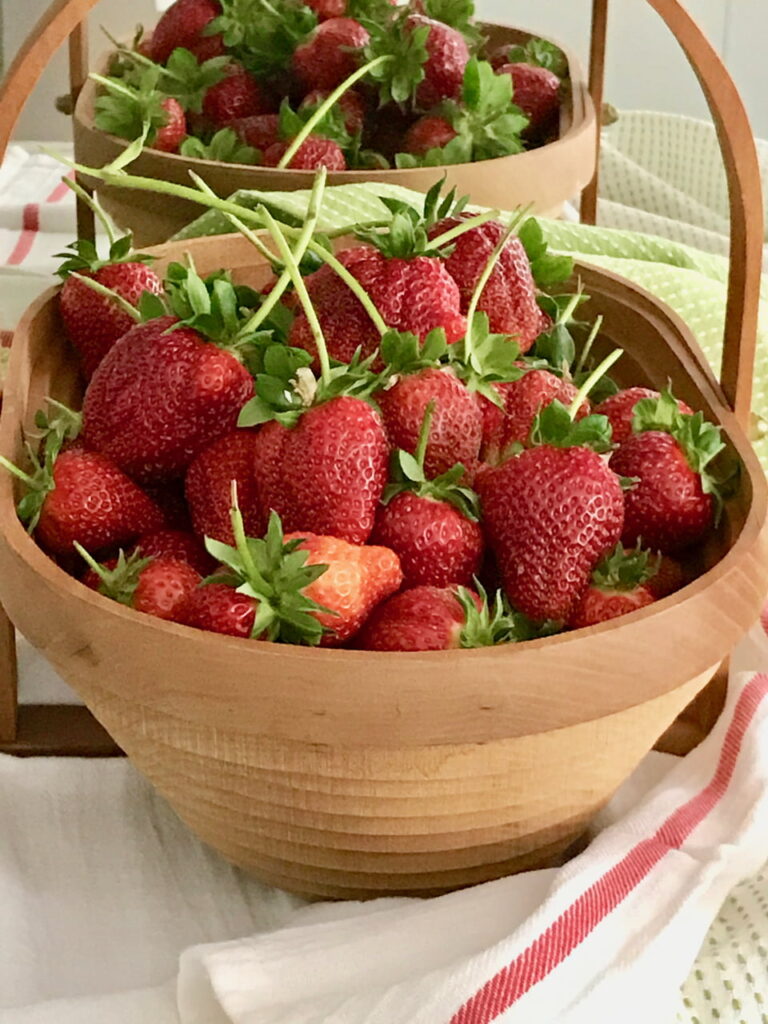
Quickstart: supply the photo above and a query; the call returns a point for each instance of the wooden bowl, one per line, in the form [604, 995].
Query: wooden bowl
[350, 774]
[545, 177]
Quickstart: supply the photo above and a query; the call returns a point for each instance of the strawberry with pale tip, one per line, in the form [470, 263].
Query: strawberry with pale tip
[619, 584]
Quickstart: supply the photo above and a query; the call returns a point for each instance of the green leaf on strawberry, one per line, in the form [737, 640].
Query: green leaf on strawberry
[59, 423]
[540, 53]
[187, 80]
[263, 34]
[625, 570]
[224, 146]
[547, 268]
[457, 151]
[331, 126]
[406, 353]
[120, 582]
[485, 359]
[125, 110]
[83, 257]
[458, 14]
[497, 622]
[398, 79]
[554, 426]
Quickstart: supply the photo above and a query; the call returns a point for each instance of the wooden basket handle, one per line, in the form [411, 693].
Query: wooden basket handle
[744, 190]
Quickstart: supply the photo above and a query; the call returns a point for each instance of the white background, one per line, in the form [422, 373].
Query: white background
[646, 70]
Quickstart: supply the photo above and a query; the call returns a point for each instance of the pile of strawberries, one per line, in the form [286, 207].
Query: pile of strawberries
[238, 80]
[405, 446]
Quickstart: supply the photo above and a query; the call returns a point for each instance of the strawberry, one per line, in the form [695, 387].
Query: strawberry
[220, 609]
[536, 91]
[260, 131]
[523, 399]
[238, 95]
[444, 618]
[672, 500]
[176, 544]
[355, 580]
[619, 585]
[330, 54]
[82, 496]
[447, 56]
[351, 105]
[94, 321]
[325, 474]
[430, 524]
[170, 135]
[429, 132]
[156, 586]
[315, 151]
[124, 110]
[619, 409]
[160, 397]
[325, 9]
[208, 486]
[669, 577]
[457, 421]
[509, 297]
[182, 25]
[551, 513]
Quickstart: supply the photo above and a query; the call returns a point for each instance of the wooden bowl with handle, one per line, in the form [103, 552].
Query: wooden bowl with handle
[350, 774]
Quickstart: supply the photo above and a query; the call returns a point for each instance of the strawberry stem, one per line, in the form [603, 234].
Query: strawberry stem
[588, 345]
[108, 293]
[93, 205]
[592, 379]
[87, 557]
[326, 105]
[24, 477]
[426, 424]
[238, 530]
[303, 294]
[112, 85]
[353, 284]
[460, 229]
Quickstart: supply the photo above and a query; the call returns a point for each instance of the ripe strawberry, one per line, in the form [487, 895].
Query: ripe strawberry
[550, 514]
[620, 408]
[158, 399]
[669, 577]
[238, 95]
[177, 544]
[325, 9]
[457, 421]
[330, 54]
[509, 297]
[219, 608]
[182, 25]
[156, 586]
[125, 109]
[356, 579]
[94, 322]
[620, 584]
[536, 91]
[82, 496]
[448, 55]
[327, 473]
[430, 524]
[429, 132]
[351, 104]
[208, 486]
[169, 137]
[261, 131]
[523, 399]
[315, 151]
[668, 507]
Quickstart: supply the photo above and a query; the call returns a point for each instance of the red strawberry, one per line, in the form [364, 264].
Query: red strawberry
[156, 586]
[82, 496]
[177, 544]
[421, 619]
[261, 131]
[168, 138]
[509, 297]
[668, 507]
[351, 104]
[182, 25]
[169, 497]
[330, 54]
[550, 514]
[429, 132]
[356, 580]
[315, 151]
[327, 473]
[536, 91]
[325, 9]
[413, 294]
[523, 399]
[208, 487]
[448, 55]
[620, 584]
[457, 422]
[158, 399]
[94, 322]
[620, 408]
[238, 95]
[220, 609]
[669, 577]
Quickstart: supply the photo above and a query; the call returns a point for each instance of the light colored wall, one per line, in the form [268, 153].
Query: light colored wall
[646, 69]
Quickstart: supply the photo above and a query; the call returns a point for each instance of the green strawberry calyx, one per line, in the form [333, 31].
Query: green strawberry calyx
[120, 582]
[274, 573]
[398, 79]
[548, 268]
[407, 474]
[81, 256]
[129, 110]
[625, 570]
[496, 622]
[539, 53]
[225, 146]
[482, 359]
[39, 482]
[556, 424]
[263, 34]
[59, 423]
[458, 14]
[700, 441]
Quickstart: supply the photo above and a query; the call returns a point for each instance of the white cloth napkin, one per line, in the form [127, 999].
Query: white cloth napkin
[612, 934]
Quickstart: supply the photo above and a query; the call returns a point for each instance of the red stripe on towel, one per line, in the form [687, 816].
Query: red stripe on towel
[30, 227]
[585, 914]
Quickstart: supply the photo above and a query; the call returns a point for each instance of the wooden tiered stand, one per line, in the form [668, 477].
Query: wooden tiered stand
[71, 730]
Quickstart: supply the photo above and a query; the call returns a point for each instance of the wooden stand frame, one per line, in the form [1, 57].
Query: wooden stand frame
[66, 730]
